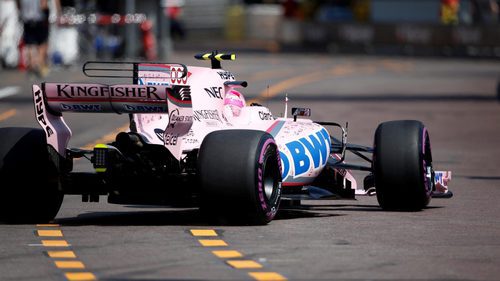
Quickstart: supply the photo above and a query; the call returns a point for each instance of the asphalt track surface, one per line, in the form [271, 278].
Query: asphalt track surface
[456, 239]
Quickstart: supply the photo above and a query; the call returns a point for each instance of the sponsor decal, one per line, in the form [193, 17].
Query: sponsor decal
[180, 96]
[307, 152]
[182, 92]
[73, 91]
[206, 114]
[191, 141]
[40, 116]
[153, 83]
[144, 108]
[225, 75]
[190, 138]
[81, 107]
[168, 73]
[211, 123]
[214, 92]
[171, 139]
[173, 118]
[159, 133]
[265, 115]
[176, 75]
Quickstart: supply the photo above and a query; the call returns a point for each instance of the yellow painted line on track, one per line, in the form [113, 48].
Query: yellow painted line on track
[336, 71]
[281, 87]
[234, 258]
[342, 70]
[243, 264]
[212, 243]
[267, 276]
[227, 254]
[55, 243]
[203, 232]
[286, 84]
[50, 233]
[80, 276]
[61, 254]
[66, 259]
[69, 264]
[107, 138]
[7, 114]
[397, 66]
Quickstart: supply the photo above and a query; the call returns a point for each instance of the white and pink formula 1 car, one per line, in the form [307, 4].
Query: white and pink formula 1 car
[185, 147]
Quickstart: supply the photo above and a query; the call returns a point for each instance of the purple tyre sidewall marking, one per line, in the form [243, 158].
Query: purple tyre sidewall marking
[269, 211]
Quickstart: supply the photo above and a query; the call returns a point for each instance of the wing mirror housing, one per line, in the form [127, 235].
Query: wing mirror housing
[300, 111]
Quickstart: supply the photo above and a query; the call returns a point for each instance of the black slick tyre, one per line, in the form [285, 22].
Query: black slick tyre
[240, 176]
[402, 164]
[29, 191]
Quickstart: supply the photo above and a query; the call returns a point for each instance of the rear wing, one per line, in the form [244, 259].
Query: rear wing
[159, 96]
[135, 70]
[62, 97]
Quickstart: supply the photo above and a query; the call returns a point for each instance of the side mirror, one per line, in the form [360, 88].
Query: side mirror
[300, 111]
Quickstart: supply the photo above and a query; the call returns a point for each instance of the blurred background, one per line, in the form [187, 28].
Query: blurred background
[152, 29]
[358, 61]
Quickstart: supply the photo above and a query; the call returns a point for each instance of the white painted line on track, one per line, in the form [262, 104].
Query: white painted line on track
[8, 91]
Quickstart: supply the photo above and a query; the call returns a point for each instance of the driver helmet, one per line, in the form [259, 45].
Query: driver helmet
[235, 101]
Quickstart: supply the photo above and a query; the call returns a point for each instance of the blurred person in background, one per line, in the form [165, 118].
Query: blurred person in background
[290, 9]
[449, 11]
[10, 34]
[35, 17]
[173, 11]
[484, 11]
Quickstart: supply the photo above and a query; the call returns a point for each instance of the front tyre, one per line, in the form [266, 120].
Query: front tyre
[240, 176]
[402, 164]
[29, 189]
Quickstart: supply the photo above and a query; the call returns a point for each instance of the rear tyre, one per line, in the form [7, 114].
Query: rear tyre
[29, 190]
[402, 164]
[240, 176]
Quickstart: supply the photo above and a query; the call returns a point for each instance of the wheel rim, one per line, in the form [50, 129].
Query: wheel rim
[270, 180]
[269, 186]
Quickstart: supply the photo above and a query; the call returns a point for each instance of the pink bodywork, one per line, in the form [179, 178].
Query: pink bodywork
[179, 112]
